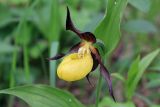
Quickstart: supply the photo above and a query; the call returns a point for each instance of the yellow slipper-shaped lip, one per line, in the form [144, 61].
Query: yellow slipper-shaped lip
[74, 68]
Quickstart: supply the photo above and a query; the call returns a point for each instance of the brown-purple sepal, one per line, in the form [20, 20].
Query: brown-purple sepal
[104, 71]
[70, 25]
[92, 85]
[72, 50]
[58, 56]
[107, 77]
[75, 48]
[88, 36]
[95, 62]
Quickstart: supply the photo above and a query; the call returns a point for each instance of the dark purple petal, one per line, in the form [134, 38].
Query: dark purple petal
[95, 62]
[70, 25]
[88, 36]
[89, 80]
[58, 56]
[75, 48]
[104, 71]
[107, 77]
[72, 50]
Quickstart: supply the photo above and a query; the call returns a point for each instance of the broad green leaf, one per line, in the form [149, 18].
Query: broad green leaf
[107, 102]
[142, 5]
[109, 28]
[140, 26]
[43, 96]
[136, 71]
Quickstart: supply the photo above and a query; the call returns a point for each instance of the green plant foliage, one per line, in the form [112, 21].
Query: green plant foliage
[17, 2]
[155, 66]
[142, 5]
[47, 19]
[154, 10]
[23, 33]
[153, 78]
[136, 71]
[155, 105]
[153, 83]
[54, 21]
[43, 96]
[38, 49]
[7, 48]
[53, 68]
[130, 84]
[73, 3]
[140, 26]
[107, 102]
[146, 61]
[109, 28]
[5, 18]
[33, 30]
[118, 76]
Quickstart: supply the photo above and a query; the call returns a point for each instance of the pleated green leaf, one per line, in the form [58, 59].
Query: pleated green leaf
[109, 28]
[43, 96]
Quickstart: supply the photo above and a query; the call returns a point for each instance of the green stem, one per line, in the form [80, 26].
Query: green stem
[44, 68]
[26, 64]
[12, 72]
[12, 78]
[52, 64]
[99, 86]
[14, 60]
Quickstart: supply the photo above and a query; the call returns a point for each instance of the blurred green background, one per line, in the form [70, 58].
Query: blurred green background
[33, 30]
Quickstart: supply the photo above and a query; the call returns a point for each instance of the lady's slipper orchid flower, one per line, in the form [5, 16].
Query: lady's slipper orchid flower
[82, 58]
